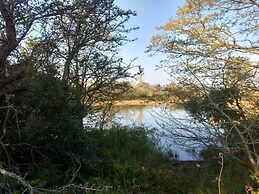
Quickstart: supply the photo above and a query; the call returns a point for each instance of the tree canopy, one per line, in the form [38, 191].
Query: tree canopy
[212, 51]
[59, 60]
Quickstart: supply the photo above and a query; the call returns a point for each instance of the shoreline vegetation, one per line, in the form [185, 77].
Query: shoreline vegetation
[139, 102]
[144, 93]
[62, 75]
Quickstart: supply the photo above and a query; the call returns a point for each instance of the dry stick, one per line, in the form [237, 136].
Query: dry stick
[18, 178]
[220, 172]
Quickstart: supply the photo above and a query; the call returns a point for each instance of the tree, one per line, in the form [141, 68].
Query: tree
[212, 49]
[82, 43]
[57, 59]
[16, 20]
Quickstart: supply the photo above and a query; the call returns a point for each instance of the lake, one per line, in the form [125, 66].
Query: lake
[152, 117]
[159, 117]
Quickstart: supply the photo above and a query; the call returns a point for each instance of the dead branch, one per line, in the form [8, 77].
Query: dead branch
[18, 178]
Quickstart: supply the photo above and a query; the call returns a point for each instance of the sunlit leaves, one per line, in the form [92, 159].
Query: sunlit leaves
[208, 33]
[212, 46]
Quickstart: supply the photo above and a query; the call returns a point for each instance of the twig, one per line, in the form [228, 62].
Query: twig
[18, 178]
[220, 172]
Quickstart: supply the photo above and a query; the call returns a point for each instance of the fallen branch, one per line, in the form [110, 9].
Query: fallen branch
[18, 178]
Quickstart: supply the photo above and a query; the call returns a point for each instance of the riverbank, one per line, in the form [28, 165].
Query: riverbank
[137, 103]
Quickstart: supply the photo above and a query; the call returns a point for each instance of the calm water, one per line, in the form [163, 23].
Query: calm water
[150, 116]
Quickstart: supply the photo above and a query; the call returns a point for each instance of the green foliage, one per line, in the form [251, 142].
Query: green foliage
[129, 162]
[215, 105]
[219, 81]
[42, 135]
[232, 172]
[125, 155]
[126, 160]
[48, 136]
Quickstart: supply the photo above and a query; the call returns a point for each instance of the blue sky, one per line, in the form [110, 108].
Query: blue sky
[151, 13]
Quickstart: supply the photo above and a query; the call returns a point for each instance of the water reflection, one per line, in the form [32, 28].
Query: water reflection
[164, 119]
[148, 116]
[134, 115]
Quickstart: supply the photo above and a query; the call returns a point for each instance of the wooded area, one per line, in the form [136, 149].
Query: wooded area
[212, 49]
[60, 62]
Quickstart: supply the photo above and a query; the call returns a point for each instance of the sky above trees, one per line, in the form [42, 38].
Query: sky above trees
[150, 14]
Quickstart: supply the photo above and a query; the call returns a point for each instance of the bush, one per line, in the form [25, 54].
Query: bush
[48, 142]
[125, 159]
[129, 162]
[47, 139]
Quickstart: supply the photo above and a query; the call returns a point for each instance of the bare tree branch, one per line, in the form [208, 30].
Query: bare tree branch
[17, 178]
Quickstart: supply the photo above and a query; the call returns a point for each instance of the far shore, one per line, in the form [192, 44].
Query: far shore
[137, 103]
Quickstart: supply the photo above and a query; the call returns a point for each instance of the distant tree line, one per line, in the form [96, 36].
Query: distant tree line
[149, 92]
